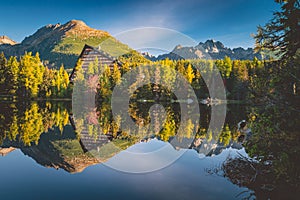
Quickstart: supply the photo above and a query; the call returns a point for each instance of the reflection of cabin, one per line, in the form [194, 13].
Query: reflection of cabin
[88, 142]
[58, 149]
[89, 54]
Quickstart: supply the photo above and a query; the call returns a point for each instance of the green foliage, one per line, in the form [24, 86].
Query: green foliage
[30, 75]
[96, 65]
[73, 44]
[282, 33]
[29, 78]
[276, 141]
[238, 77]
[189, 73]
[116, 75]
[132, 57]
[61, 82]
[12, 77]
[79, 76]
[105, 83]
[90, 69]
[3, 73]
[225, 66]
[47, 88]
[225, 136]
[169, 130]
[26, 124]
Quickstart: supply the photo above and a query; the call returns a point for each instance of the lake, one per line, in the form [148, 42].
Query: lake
[51, 152]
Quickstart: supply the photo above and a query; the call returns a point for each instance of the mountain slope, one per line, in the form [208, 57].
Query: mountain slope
[209, 50]
[61, 44]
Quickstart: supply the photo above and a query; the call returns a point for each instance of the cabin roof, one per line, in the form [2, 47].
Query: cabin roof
[100, 53]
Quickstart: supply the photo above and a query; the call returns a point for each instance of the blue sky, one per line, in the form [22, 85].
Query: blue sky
[231, 21]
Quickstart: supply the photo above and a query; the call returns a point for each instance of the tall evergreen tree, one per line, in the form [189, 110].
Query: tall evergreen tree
[116, 75]
[13, 74]
[282, 33]
[31, 75]
[189, 73]
[3, 70]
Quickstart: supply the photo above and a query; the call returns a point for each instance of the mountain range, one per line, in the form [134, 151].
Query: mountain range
[208, 50]
[62, 43]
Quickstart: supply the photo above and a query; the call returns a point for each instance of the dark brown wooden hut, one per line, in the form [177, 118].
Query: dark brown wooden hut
[89, 54]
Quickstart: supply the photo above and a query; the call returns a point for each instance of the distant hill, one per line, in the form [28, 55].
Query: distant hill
[209, 50]
[61, 44]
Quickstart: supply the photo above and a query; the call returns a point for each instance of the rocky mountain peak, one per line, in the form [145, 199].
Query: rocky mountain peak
[212, 45]
[6, 40]
[178, 47]
[76, 22]
[210, 49]
[57, 43]
[78, 27]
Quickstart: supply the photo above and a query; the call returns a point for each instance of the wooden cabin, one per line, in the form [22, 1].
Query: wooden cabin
[89, 54]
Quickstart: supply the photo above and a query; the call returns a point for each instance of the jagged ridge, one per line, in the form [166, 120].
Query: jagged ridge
[209, 50]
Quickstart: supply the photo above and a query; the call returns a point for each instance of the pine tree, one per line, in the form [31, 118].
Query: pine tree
[227, 66]
[46, 88]
[180, 67]
[3, 73]
[90, 69]
[282, 33]
[96, 65]
[116, 75]
[31, 75]
[78, 72]
[105, 82]
[189, 73]
[13, 74]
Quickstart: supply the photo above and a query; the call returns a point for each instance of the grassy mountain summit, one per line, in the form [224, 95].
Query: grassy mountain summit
[61, 44]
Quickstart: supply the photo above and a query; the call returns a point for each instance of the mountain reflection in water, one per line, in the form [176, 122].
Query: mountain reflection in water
[53, 137]
[67, 143]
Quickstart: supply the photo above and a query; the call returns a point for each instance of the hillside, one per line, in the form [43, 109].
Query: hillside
[61, 44]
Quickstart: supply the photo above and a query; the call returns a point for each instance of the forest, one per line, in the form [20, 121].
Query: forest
[27, 78]
[272, 86]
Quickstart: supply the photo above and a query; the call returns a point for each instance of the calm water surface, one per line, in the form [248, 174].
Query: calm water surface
[43, 157]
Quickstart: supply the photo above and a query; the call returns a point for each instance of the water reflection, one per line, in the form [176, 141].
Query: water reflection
[274, 145]
[26, 121]
[48, 132]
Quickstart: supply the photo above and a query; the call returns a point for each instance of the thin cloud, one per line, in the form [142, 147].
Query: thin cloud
[154, 39]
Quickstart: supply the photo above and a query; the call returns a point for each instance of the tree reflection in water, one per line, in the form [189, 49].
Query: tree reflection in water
[274, 172]
[51, 125]
[45, 132]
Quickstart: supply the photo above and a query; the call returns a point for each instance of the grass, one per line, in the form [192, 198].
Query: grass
[69, 48]
[68, 148]
[74, 45]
